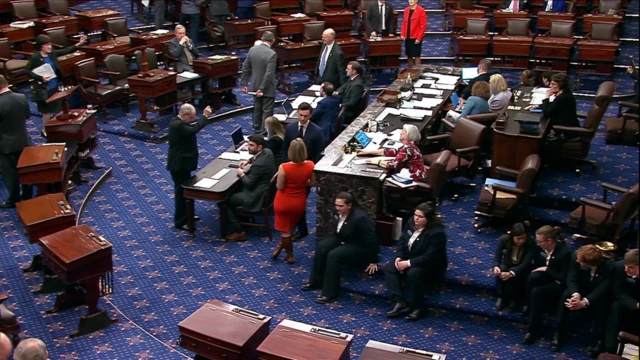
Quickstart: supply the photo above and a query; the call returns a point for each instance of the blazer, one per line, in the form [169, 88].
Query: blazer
[326, 113]
[429, 250]
[475, 105]
[255, 182]
[37, 60]
[562, 111]
[351, 93]
[559, 263]
[177, 51]
[502, 257]
[183, 144]
[14, 112]
[260, 65]
[359, 230]
[274, 143]
[466, 93]
[626, 289]
[418, 23]
[334, 69]
[374, 18]
[313, 140]
[596, 290]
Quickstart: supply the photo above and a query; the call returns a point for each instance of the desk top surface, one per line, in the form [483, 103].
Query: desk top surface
[513, 127]
[98, 13]
[223, 184]
[43, 208]
[75, 243]
[55, 18]
[105, 45]
[555, 40]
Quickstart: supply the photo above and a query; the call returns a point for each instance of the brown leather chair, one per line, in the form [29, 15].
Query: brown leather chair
[167, 59]
[603, 31]
[11, 67]
[477, 27]
[624, 338]
[570, 6]
[25, 10]
[623, 129]
[152, 59]
[266, 212]
[95, 92]
[263, 11]
[60, 7]
[610, 6]
[117, 69]
[506, 202]
[313, 31]
[364, 100]
[604, 219]
[8, 321]
[116, 29]
[58, 36]
[518, 27]
[574, 143]
[431, 188]
[338, 125]
[313, 7]
[562, 29]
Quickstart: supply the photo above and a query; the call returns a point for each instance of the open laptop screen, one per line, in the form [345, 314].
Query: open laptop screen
[469, 72]
[237, 137]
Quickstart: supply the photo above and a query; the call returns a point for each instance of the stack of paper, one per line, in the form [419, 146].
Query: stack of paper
[417, 114]
[300, 99]
[159, 32]
[387, 111]
[231, 156]
[422, 82]
[298, 15]
[425, 103]
[206, 183]
[434, 92]
[220, 174]
[188, 75]
[443, 86]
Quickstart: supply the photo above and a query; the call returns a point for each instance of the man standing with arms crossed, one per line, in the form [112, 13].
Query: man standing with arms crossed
[260, 65]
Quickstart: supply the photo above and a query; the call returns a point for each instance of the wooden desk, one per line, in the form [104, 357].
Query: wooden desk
[295, 340]
[277, 5]
[545, 19]
[93, 20]
[500, 18]
[557, 52]
[589, 19]
[596, 56]
[45, 165]
[383, 53]
[15, 35]
[513, 51]
[294, 58]
[101, 50]
[460, 17]
[290, 26]
[69, 22]
[238, 29]
[81, 128]
[222, 331]
[351, 48]
[339, 20]
[375, 350]
[162, 82]
[67, 62]
[474, 46]
[150, 40]
[225, 71]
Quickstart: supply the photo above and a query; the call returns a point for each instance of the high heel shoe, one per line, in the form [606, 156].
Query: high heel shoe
[278, 249]
[288, 248]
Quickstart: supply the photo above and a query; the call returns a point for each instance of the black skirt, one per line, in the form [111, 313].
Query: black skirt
[412, 49]
[52, 107]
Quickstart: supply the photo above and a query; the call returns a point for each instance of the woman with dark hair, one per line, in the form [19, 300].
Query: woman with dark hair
[559, 105]
[511, 266]
[275, 136]
[45, 86]
[421, 256]
[354, 242]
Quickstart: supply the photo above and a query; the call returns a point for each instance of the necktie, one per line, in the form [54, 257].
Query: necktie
[323, 60]
[189, 56]
[301, 132]
[382, 16]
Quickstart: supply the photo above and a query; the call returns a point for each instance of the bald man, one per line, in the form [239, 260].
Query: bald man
[331, 63]
[31, 349]
[5, 347]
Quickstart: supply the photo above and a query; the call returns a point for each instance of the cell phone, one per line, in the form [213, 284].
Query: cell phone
[234, 166]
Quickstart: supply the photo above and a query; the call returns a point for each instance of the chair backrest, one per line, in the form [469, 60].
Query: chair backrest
[117, 63]
[364, 4]
[364, 101]
[528, 172]
[152, 59]
[518, 27]
[337, 128]
[571, 6]
[24, 9]
[467, 133]
[599, 106]
[477, 26]
[5, 48]
[58, 36]
[464, 4]
[262, 10]
[312, 7]
[606, 5]
[270, 194]
[60, 7]
[486, 119]
[261, 29]
[437, 175]
[313, 30]
[86, 68]
[117, 26]
[627, 207]
[603, 31]
[562, 28]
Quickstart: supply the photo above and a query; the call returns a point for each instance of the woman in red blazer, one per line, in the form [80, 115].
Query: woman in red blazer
[414, 25]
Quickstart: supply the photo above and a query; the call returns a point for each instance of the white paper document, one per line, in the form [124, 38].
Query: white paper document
[425, 103]
[230, 156]
[387, 111]
[280, 117]
[536, 98]
[45, 71]
[315, 88]
[395, 135]
[245, 155]
[373, 160]
[444, 86]
[428, 91]
[417, 114]
[300, 99]
[401, 185]
[422, 82]
[220, 174]
[206, 183]
[159, 31]
[188, 75]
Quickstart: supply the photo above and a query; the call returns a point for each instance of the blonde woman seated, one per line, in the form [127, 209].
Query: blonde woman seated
[477, 103]
[500, 94]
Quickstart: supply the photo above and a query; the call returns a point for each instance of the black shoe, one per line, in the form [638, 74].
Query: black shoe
[196, 218]
[183, 227]
[529, 339]
[499, 305]
[325, 299]
[7, 205]
[415, 315]
[556, 343]
[298, 235]
[43, 134]
[399, 309]
[308, 287]
[596, 350]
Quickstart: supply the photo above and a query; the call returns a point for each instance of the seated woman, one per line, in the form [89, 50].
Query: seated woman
[500, 94]
[408, 156]
[527, 78]
[511, 266]
[559, 105]
[477, 103]
[421, 255]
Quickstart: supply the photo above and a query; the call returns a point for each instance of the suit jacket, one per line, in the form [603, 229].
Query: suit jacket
[562, 111]
[326, 113]
[36, 60]
[359, 230]
[183, 144]
[625, 288]
[429, 250]
[177, 51]
[418, 23]
[374, 18]
[313, 140]
[219, 7]
[351, 93]
[334, 70]
[502, 258]
[256, 181]
[559, 264]
[481, 77]
[596, 290]
[14, 112]
[260, 65]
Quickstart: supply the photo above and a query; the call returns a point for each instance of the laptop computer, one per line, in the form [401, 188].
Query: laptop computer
[289, 112]
[238, 138]
[469, 72]
[528, 117]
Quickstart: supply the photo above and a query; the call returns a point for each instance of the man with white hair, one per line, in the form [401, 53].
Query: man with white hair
[5, 347]
[183, 49]
[31, 349]
[331, 63]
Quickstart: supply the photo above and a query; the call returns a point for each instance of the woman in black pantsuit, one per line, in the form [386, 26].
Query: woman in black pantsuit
[511, 266]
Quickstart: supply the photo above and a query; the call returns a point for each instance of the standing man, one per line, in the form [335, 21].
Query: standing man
[183, 49]
[190, 13]
[331, 62]
[351, 92]
[14, 112]
[327, 110]
[260, 65]
[380, 19]
[183, 156]
[158, 13]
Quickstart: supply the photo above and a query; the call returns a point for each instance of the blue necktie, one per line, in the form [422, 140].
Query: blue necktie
[323, 60]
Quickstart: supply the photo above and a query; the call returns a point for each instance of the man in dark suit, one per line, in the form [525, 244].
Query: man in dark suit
[588, 288]
[625, 311]
[182, 48]
[255, 177]
[380, 19]
[327, 110]
[183, 156]
[484, 74]
[14, 112]
[260, 65]
[313, 139]
[331, 63]
[354, 243]
[351, 92]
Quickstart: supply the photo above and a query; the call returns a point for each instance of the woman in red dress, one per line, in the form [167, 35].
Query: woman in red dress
[291, 199]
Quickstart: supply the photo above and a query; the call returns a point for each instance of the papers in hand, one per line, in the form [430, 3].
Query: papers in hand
[206, 183]
[45, 71]
[188, 75]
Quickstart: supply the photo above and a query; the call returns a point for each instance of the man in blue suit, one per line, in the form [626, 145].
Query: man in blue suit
[313, 139]
[327, 110]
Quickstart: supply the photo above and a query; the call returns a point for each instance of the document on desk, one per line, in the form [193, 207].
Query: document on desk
[401, 185]
[300, 99]
[443, 86]
[417, 114]
[395, 135]
[387, 111]
[315, 88]
[422, 82]
[373, 160]
[448, 79]
[424, 91]
[536, 98]
[245, 155]
[45, 71]
[220, 174]
[188, 75]
[231, 156]
[206, 183]
[425, 103]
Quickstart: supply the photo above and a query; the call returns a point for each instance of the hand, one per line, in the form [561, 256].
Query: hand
[207, 111]
[83, 40]
[242, 164]
[382, 164]
[403, 265]
[371, 269]
[240, 172]
[245, 89]
[402, 38]
[417, 41]
[541, 268]
[396, 262]
[335, 93]
[630, 69]
[496, 271]
[529, 107]
[550, 92]
[361, 152]
[259, 93]
[392, 35]
[46, 78]
[373, 34]
[504, 276]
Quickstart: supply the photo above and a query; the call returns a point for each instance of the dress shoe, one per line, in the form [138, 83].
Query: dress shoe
[196, 218]
[183, 227]
[529, 339]
[499, 305]
[276, 252]
[596, 350]
[298, 235]
[415, 315]
[325, 299]
[399, 309]
[241, 236]
[308, 287]
[556, 343]
[7, 205]
[288, 248]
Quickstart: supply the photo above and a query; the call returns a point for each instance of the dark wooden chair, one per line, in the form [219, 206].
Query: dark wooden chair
[8, 321]
[266, 212]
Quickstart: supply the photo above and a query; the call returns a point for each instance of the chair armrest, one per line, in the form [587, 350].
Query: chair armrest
[18, 52]
[628, 116]
[597, 204]
[75, 9]
[573, 130]
[467, 150]
[501, 170]
[436, 138]
[614, 188]
[508, 189]
[629, 104]
[627, 338]
[137, 31]
[4, 60]
[108, 72]
[3, 298]
[448, 124]
[96, 81]
[44, 14]
[581, 114]
[480, 7]
[424, 186]
[546, 34]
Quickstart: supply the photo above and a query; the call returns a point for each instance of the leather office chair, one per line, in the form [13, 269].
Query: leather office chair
[266, 212]
[477, 27]
[604, 219]
[263, 11]
[116, 29]
[117, 69]
[25, 10]
[152, 59]
[623, 129]
[562, 29]
[624, 338]
[570, 6]
[313, 31]
[58, 36]
[313, 7]
[364, 101]
[518, 27]
[602, 31]
[338, 125]
[506, 202]
[610, 7]
[167, 59]
[574, 143]
[60, 7]
[465, 144]
[8, 321]
[431, 188]
[95, 92]
[11, 67]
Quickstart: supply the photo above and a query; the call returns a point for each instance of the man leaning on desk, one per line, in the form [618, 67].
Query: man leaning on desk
[351, 92]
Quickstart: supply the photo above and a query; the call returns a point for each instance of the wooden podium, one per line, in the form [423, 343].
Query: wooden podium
[295, 340]
[47, 167]
[81, 258]
[597, 56]
[341, 21]
[222, 331]
[375, 350]
[512, 51]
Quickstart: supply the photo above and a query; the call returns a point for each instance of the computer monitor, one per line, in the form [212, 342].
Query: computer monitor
[237, 137]
[469, 72]
[362, 138]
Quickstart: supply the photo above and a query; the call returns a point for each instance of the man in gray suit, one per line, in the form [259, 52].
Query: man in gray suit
[182, 48]
[14, 112]
[255, 178]
[158, 13]
[260, 65]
